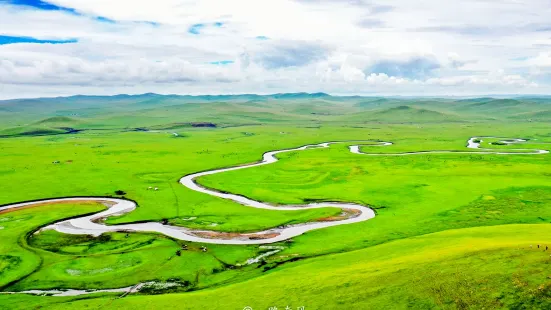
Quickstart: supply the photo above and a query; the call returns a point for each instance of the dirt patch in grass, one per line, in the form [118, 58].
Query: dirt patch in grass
[230, 236]
[346, 214]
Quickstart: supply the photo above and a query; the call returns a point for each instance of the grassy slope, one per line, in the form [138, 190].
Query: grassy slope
[405, 114]
[483, 267]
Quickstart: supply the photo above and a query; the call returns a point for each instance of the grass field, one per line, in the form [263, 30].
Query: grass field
[452, 231]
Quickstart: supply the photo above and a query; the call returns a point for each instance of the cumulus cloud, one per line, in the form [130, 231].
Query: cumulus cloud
[543, 60]
[215, 46]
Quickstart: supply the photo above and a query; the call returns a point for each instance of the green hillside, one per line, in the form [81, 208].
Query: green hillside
[405, 114]
[31, 131]
[544, 115]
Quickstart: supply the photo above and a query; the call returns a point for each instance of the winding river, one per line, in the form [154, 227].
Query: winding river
[352, 213]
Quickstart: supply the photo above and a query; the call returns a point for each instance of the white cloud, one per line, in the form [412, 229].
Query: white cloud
[543, 60]
[368, 47]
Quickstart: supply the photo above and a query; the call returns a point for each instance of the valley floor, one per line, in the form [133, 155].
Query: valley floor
[452, 230]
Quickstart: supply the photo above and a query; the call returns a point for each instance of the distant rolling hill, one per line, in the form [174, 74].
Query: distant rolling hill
[30, 131]
[497, 108]
[50, 126]
[544, 115]
[127, 112]
[61, 121]
[406, 114]
[375, 102]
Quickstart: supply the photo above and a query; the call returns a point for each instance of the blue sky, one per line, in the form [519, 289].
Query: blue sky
[375, 47]
[41, 5]
[14, 40]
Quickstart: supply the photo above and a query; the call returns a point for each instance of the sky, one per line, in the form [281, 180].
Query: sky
[342, 47]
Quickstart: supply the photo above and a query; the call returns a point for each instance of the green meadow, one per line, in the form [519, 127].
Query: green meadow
[452, 231]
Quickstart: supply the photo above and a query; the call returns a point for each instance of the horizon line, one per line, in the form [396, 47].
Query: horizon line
[324, 94]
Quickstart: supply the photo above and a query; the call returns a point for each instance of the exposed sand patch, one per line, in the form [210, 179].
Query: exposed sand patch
[346, 214]
[234, 236]
[58, 202]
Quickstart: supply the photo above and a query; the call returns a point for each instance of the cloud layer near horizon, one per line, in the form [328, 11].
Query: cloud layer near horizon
[390, 47]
